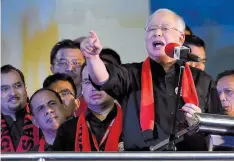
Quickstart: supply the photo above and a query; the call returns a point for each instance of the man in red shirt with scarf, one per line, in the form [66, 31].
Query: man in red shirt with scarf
[97, 129]
[48, 114]
[147, 91]
[18, 134]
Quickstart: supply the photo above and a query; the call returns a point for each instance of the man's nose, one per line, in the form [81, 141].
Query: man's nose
[222, 96]
[13, 91]
[48, 111]
[94, 89]
[158, 32]
[70, 67]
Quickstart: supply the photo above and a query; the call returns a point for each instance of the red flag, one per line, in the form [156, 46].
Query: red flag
[189, 92]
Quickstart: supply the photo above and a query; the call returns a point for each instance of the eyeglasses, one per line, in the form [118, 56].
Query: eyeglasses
[203, 61]
[65, 63]
[164, 29]
[66, 92]
[86, 82]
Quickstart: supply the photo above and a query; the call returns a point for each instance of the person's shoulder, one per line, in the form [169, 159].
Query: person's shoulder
[127, 66]
[133, 65]
[69, 123]
[198, 73]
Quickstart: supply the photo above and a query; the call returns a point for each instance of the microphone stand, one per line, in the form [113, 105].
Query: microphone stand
[171, 144]
[179, 136]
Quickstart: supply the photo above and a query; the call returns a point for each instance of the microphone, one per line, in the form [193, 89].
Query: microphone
[178, 52]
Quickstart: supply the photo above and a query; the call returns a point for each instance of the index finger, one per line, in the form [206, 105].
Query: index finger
[93, 35]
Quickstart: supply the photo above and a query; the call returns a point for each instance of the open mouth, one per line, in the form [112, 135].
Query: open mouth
[157, 44]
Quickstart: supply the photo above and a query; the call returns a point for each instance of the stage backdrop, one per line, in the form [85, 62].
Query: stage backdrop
[31, 27]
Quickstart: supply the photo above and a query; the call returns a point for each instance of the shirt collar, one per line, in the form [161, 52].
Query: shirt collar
[112, 114]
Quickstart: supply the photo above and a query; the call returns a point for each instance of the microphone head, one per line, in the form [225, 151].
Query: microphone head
[169, 49]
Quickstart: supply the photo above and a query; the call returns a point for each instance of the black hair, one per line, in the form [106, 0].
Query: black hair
[108, 55]
[65, 43]
[59, 77]
[40, 90]
[194, 40]
[223, 74]
[7, 68]
[111, 56]
[189, 29]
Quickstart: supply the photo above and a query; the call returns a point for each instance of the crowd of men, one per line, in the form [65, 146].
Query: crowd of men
[93, 102]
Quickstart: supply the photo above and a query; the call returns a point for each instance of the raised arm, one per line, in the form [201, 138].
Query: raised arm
[91, 48]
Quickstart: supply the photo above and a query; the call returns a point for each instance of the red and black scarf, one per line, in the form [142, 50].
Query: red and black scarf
[82, 107]
[42, 145]
[82, 141]
[189, 94]
[28, 140]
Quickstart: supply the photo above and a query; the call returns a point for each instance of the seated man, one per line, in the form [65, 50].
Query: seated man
[48, 114]
[18, 134]
[97, 129]
[65, 86]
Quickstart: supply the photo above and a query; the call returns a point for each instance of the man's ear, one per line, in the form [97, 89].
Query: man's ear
[77, 102]
[182, 38]
[35, 122]
[26, 89]
[52, 69]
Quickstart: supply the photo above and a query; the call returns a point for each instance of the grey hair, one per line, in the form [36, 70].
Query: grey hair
[181, 23]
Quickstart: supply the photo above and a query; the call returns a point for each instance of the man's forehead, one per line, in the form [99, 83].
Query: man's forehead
[200, 51]
[195, 46]
[60, 84]
[12, 73]
[59, 89]
[44, 95]
[69, 53]
[228, 78]
[226, 81]
[162, 18]
[11, 77]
